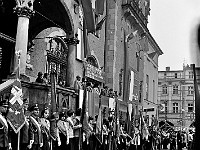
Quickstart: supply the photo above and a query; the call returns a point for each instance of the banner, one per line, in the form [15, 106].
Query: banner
[15, 115]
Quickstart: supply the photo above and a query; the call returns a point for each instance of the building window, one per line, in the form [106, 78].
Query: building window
[165, 75]
[175, 89]
[190, 90]
[164, 89]
[190, 107]
[175, 75]
[190, 75]
[175, 107]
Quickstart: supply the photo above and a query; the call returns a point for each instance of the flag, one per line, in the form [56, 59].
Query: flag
[15, 115]
[99, 124]
[88, 15]
[116, 128]
[84, 115]
[143, 129]
[99, 120]
[128, 123]
[100, 24]
[99, 7]
[85, 41]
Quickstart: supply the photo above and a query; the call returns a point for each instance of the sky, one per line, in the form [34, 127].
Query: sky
[172, 23]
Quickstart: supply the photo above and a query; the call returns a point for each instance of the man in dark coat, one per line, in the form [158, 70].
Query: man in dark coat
[4, 136]
[24, 134]
[34, 129]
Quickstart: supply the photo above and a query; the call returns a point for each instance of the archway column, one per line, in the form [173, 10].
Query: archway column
[71, 57]
[24, 11]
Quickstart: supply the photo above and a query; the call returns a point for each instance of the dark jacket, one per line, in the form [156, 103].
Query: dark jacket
[4, 140]
[35, 131]
[24, 133]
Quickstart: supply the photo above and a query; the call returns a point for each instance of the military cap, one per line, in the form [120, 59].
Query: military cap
[62, 114]
[34, 107]
[25, 100]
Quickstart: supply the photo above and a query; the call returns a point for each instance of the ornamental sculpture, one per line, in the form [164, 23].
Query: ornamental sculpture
[24, 8]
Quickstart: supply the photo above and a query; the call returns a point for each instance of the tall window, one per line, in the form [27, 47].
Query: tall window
[164, 89]
[190, 75]
[175, 89]
[190, 90]
[175, 107]
[190, 107]
[147, 87]
[175, 75]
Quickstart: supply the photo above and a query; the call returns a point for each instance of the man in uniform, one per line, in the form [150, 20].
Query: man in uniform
[34, 129]
[4, 139]
[24, 136]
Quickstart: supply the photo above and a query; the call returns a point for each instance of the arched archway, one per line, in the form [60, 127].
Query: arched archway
[50, 14]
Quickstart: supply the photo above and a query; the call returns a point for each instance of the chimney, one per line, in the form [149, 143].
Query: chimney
[167, 68]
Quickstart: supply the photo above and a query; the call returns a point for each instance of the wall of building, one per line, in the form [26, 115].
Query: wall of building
[182, 118]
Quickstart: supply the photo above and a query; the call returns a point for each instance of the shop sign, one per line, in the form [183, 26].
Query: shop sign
[94, 73]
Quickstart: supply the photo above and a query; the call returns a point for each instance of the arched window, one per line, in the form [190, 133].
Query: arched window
[92, 61]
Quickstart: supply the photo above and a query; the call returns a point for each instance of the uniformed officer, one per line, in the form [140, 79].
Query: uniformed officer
[36, 140]
[4, 136]
[24, 132]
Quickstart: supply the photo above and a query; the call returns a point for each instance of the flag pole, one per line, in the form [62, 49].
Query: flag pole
[18, 53]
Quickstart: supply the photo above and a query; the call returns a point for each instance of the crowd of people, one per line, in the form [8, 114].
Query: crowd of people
[37, 135]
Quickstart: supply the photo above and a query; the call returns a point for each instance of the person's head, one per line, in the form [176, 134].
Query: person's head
[70, 113]
[3, 106]
[45, 75]
[90, 119]
[78, 78]
[35, 110]
[45, 113]
[25, 103]
[40, 74]
[62, 116]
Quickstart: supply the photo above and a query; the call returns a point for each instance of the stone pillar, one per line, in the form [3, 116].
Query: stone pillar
[71, 42]
[24, 11]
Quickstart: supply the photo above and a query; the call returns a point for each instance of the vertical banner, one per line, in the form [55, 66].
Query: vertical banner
[111, 104]
[131, 86]
[81, 98]
[53, 104]
[15, 115]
